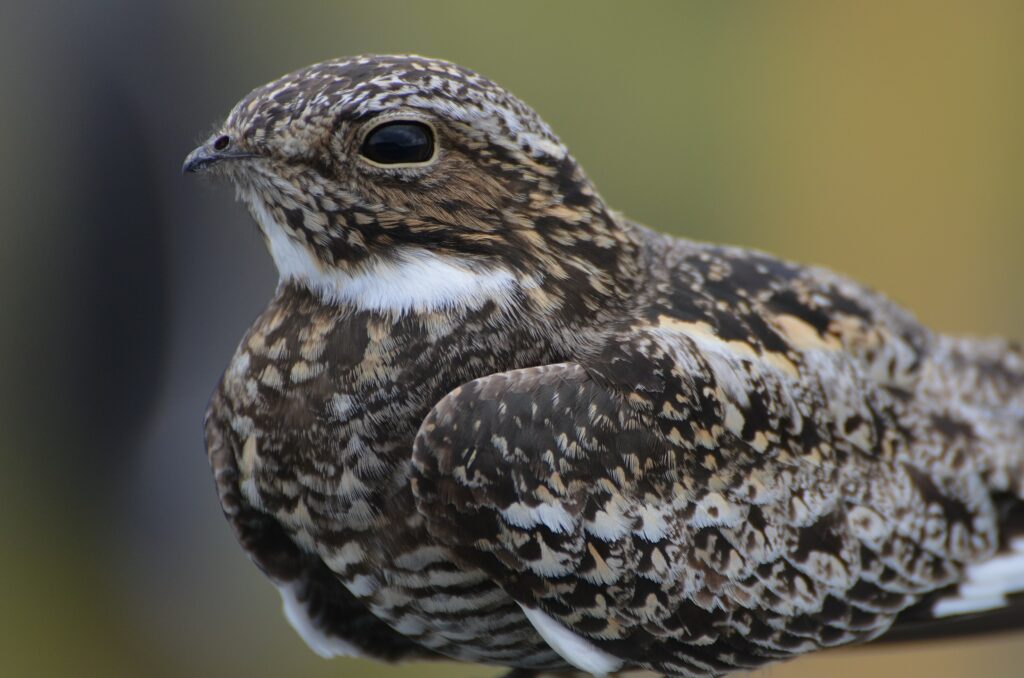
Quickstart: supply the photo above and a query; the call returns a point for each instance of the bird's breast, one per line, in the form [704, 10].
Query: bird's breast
[324, 408]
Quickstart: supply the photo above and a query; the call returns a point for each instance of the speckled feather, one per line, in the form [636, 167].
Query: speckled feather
[571, 442]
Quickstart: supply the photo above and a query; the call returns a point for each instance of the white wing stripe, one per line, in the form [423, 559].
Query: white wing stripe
[987, 584]
[573, 648]
[324, 645]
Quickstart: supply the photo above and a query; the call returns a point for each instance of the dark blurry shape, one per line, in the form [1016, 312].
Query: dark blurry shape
[118, 304]
[97, 370]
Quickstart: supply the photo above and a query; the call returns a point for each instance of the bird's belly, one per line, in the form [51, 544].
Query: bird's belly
[457, 612]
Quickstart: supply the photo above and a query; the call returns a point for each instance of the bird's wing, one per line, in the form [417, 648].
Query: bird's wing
[329, 618]
[685, 505]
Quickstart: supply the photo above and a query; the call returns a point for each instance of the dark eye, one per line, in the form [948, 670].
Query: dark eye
[399, 143]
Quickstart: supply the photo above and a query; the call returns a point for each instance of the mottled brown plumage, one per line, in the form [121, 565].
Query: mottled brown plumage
[485, 417]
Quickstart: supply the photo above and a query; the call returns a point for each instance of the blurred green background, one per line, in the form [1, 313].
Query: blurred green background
[883, 139]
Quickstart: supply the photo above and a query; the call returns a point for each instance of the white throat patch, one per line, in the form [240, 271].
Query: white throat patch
[415, 281]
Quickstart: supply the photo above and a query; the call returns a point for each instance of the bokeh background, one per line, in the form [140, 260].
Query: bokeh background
[883, 139]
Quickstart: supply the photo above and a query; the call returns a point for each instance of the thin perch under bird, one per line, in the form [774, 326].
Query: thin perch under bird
[485, 417]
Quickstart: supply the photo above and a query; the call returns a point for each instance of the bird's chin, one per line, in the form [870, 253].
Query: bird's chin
[217, 174]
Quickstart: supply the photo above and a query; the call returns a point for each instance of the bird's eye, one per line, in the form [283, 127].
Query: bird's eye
[399, 143]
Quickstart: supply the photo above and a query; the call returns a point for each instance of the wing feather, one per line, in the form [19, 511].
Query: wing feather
[692, 507]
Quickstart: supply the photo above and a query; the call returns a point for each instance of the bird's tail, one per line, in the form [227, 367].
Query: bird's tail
[973, 392]
[987, 381]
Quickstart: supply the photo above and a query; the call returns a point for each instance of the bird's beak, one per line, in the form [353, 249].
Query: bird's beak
[206, 156]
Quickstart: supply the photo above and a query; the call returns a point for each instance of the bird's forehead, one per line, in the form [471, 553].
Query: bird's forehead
[361, 87]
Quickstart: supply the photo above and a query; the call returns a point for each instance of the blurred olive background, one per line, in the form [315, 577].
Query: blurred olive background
[882, 139]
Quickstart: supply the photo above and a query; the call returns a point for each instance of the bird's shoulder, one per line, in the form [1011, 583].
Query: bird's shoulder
[780, 314]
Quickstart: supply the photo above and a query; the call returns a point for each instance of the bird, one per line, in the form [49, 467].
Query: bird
[487, 418]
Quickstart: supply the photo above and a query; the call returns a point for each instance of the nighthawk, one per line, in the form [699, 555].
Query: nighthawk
[485, 417]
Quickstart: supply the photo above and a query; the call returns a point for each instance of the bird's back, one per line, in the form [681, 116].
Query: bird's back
[949, 410]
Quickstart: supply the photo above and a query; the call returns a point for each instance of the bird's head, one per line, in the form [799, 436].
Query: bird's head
[406, 184]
